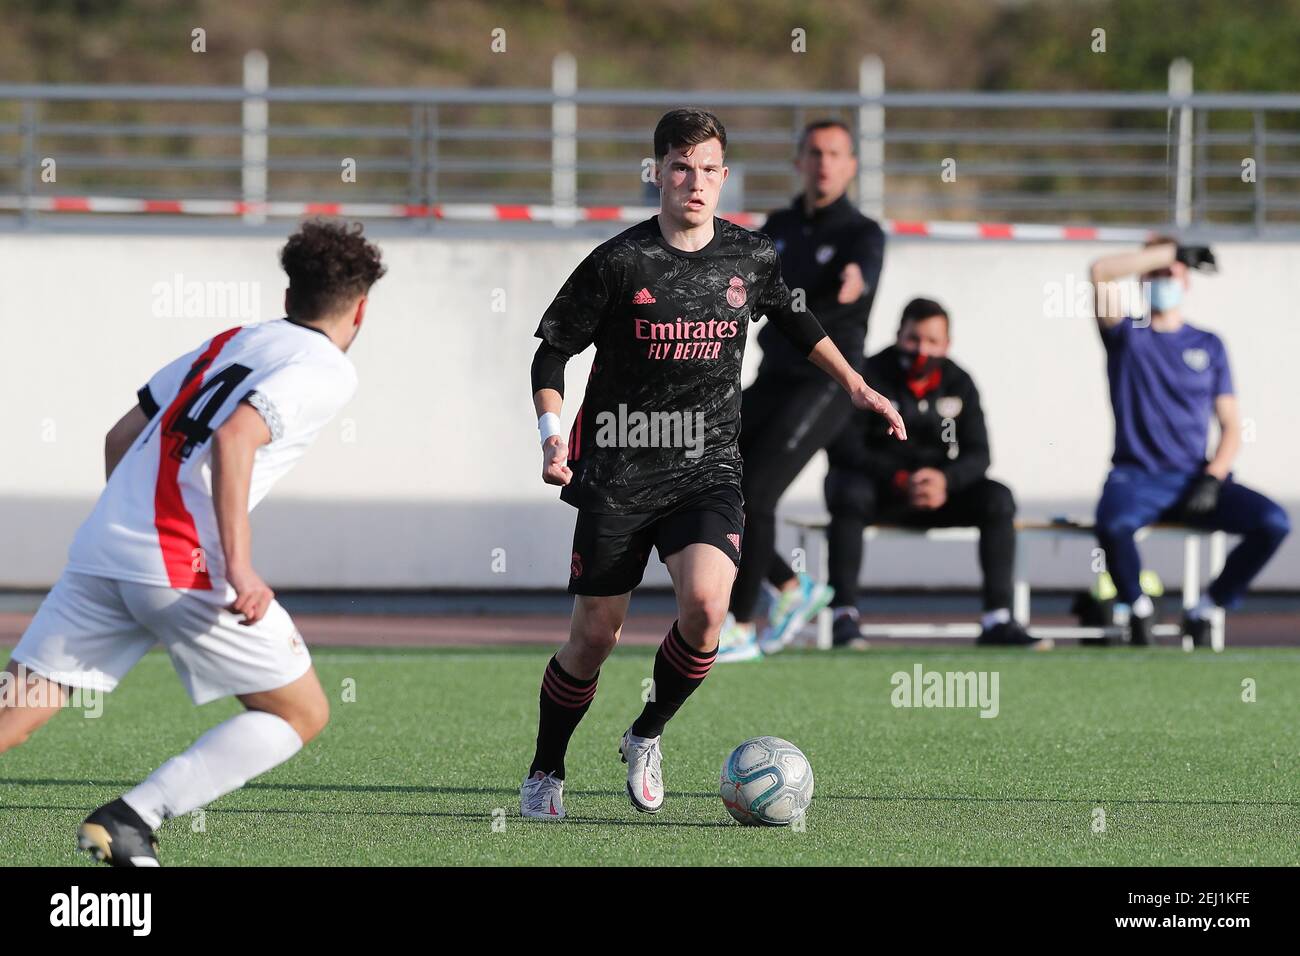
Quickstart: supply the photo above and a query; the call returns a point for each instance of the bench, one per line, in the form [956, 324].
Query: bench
[1055, 530]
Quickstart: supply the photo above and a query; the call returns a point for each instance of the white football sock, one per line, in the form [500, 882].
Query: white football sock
[1143, 607]
[223, 759]
[1203, 608]
[995, 617]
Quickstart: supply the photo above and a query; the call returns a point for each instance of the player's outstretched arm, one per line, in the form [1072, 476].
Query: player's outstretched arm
[121, 437]
[806, 334]
[234, 446]
[830, 360]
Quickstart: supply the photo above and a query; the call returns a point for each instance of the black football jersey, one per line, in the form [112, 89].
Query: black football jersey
[814, 249]
[944, 420]
[661, 414]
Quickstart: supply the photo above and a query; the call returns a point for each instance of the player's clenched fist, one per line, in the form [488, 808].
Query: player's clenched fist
[869, 399]
[555, 462]
[253, 596]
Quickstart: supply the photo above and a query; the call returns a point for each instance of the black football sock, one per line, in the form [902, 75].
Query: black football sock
[679, 669]
[564, 701]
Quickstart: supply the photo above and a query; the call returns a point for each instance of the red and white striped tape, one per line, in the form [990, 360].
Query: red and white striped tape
[493, 212]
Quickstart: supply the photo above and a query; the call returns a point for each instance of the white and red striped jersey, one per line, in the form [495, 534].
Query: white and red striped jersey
[155, 522]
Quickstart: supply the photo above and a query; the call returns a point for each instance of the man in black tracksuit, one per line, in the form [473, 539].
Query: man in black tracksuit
[936, 480]
[832, 254]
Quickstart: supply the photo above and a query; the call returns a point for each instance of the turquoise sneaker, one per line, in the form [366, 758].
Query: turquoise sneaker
[738, 642]
[793, 609]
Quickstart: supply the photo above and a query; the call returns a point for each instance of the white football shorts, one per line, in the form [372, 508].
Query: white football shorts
[90, 631]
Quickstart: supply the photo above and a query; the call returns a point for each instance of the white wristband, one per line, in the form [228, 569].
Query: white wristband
[548, 425]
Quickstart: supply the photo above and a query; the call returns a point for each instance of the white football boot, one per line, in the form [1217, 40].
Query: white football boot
[645, 778]
[542, 796]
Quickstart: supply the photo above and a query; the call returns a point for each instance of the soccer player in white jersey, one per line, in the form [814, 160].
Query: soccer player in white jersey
[166, 556]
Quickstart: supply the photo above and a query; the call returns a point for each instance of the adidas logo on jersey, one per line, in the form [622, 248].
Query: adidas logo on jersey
[643, 298]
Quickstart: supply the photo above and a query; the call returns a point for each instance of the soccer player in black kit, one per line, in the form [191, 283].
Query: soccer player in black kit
[791, 411]
[652, 458]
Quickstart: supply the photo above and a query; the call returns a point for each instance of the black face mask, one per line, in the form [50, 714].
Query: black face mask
[923, 372]
[915, 364]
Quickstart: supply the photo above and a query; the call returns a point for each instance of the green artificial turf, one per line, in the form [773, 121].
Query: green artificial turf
[423, 767]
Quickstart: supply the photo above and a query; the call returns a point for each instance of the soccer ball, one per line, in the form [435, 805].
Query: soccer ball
[767, 781]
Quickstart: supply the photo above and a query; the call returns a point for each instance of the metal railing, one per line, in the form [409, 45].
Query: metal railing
[1172, 159]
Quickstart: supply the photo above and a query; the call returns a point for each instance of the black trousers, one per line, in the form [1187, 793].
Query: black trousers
[855, 501]
[783, 424]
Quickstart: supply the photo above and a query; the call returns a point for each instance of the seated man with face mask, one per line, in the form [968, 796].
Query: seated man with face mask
[1167, 378]
[934, 480]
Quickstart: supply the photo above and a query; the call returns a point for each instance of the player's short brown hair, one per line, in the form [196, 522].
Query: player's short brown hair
[328, 264]
[687, 127]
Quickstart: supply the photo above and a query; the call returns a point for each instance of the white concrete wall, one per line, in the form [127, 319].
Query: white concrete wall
[435, 463]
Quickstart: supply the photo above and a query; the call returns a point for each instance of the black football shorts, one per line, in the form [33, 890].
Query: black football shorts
[610, 551]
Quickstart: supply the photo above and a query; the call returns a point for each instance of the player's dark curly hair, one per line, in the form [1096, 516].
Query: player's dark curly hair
[687, 127]
[328, 263]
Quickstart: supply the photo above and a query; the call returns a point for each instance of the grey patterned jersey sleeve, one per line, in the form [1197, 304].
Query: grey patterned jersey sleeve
[573, 319]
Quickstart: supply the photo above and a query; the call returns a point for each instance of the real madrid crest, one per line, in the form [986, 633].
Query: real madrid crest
[736, 292]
